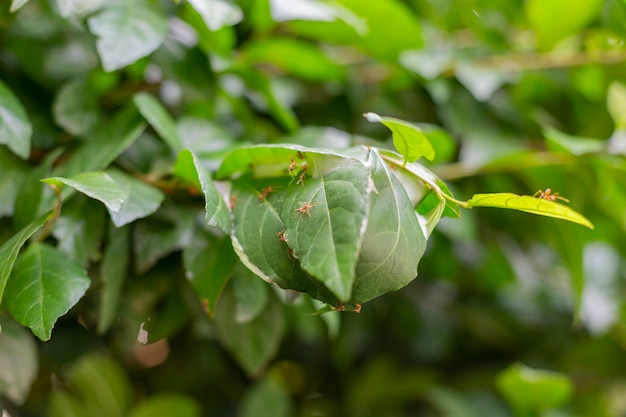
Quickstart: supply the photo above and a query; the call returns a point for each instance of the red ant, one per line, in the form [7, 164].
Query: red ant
[305, 208]
[548, 195]
[281, 236]
[233, 201]
[265, 191]
[302, 176]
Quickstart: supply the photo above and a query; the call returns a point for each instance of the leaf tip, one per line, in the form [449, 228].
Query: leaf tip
[372, 117]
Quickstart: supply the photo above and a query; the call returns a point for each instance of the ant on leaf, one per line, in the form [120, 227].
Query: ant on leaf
[549, 195]
[305, 208]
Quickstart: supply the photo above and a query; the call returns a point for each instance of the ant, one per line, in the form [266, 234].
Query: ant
[302, 176]
[233, 201]
[305, 208]
[281, 236]
[265, 191]
[549, 195]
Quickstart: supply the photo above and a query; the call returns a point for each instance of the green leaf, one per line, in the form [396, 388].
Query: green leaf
[75, 108]
[267, 398]
[189, 168]
[393, 243]
[159, 119]
[296, 57]
[16, 5]
[18, 360]
[616, 103]
[325, 220]
[217, 13]
[44, 285]
[252, 344]
[166, 405]
[560, 141]
[209, 264]
[10, 249]
[127, 30]
[250, 294]
[408, 139]
[529, 204]
[97, 185]
[552, 25]
[15, 128]
[13, 172]
[71, 8]
[142, 199]
[113, 272]
[529, 390]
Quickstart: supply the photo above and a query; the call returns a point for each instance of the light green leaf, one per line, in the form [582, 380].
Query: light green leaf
[159, 119]
[18, 360]
[189, 168]
[10, 249]
[113, 272]
[616, 103]
[299, 58]
[559, 141]
[75, 108]
[62, 404]
[15, 128]
[69, 8]
[16, 5]
[44, 285]
[530, 390]
[166, 405]
[267, 398]
[529, 204]
[217, 13]
[408, 139]
[325, 220]
[552, 25]
[142, 199]
[252, 344]
[97, 185]
[127, 30]
[209, 264]
[393, 243]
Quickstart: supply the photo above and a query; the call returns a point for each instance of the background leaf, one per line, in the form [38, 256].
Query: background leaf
[44, 285]
[18, 360]
[113, 271]
[75, 108]
[166, 405]
[217, 13]
[159, 119]
[15, 128]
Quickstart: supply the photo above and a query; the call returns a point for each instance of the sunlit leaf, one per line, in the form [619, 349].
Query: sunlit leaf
[127, 30]
[189, 168]
[408, 139]
[15, 128]
[159, 119]
[18, 360]
[43, 286]
[529, 204]
[10, 249]
[217, 13]
[97, 185]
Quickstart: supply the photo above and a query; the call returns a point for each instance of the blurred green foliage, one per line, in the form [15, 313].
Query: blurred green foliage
[514, 96]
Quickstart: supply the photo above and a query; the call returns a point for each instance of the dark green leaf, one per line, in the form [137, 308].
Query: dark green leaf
[75, 108]
[189, 168]
[408, 139]
[393, 243]
[113, 271]
[97, 185]
[142, 199]
[10, 249]
[18, 360]
[267, 398]
[252, 344]
[127, 31]
[44, 285]
[15, 128]
[159, 119]
[166, 405]
[529, 204]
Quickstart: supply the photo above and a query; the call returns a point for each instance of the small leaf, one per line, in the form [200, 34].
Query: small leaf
[15, 128]
[189, 168]
[113, 272]
[166, 405]
[44, 285]
[10, 249]
[127, 30]
[159, 119]
[142, 199]
[18, 360]
[530, 390]
[254, 343]
[529, 204]
[217, 13]
[75, 108]
[97, 185]
[408, 139]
